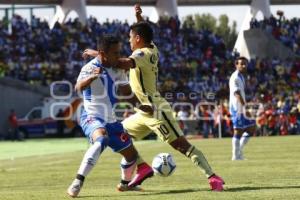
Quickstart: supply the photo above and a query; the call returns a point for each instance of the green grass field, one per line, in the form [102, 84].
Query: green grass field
[43, 169]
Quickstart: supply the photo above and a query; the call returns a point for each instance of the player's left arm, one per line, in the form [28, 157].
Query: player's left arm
[123, 63]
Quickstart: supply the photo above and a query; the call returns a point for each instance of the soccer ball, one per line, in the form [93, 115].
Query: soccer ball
[163, 164]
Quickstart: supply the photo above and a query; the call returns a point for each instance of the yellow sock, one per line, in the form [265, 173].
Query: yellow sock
[199, 160]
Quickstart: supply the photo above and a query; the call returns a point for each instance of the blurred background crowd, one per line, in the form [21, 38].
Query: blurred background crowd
[193, 63]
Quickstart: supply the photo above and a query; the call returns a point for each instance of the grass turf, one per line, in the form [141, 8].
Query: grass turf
[42, 169]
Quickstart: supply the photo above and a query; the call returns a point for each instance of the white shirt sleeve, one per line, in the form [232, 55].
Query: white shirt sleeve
[235, 85]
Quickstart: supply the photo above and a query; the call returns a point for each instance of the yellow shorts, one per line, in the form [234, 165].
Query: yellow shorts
[162, 123]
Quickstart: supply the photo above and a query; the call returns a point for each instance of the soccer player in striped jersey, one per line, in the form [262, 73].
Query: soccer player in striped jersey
[154, 114]
[243, 125]
[98, 81]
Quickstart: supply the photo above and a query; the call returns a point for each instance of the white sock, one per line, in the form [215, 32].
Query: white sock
[244, 140]
[235, 147]
[127, 169]
[92, 155]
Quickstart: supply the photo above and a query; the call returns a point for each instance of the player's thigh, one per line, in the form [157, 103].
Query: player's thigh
[165, 126]
[119, 139]
[237, 121]
[93, 128]
[99, 132]
[135, 126]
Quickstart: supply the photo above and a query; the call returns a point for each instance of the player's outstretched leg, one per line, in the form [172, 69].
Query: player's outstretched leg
[88, 162]
[197, 157]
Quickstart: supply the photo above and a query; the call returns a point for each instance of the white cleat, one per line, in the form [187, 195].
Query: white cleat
[74, 188]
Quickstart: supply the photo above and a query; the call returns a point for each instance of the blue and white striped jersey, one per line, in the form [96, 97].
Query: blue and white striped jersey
[99, 97]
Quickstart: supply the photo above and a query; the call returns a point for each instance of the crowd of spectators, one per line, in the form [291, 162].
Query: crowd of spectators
[195, 66]
[285, 30]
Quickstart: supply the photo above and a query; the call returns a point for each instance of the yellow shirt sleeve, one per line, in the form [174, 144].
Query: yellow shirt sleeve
[139, 57]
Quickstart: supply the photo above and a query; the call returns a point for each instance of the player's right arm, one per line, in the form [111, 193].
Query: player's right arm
[82, 84]
[85, 81]
[239, 97]
[234, 85]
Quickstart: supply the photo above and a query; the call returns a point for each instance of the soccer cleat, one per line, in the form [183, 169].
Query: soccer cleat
[216, 183]
[121, 187]
[144, 171]
[240, 157]
[236, 158]
[74, 188]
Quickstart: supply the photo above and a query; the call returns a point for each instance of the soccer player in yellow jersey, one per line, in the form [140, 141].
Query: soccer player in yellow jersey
[155, 113]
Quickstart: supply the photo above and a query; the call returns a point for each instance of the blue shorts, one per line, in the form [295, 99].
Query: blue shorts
[239, 121]
[118, 138]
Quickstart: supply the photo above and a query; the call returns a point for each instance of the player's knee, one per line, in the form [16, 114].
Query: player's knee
[183, 148]
[181, 145]
[100, 132]
[103, 140]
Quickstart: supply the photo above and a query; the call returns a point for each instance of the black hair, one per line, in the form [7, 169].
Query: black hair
[241, 58]
[106, 41]
[144, 30]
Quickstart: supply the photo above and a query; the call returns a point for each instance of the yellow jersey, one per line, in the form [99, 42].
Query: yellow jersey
[143, 77]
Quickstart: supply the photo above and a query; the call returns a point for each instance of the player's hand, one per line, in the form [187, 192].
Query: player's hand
[138, 9]
[89, 52]
[97, 71]
[95, 74]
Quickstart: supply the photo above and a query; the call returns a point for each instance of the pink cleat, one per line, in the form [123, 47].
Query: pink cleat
[144, 171]
[216, 183]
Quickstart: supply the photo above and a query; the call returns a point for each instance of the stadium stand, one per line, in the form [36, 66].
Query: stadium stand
[285, 30]
[191, 62]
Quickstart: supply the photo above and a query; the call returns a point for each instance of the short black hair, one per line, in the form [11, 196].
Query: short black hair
[144, 30]
[241, 58]
[106, 41]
